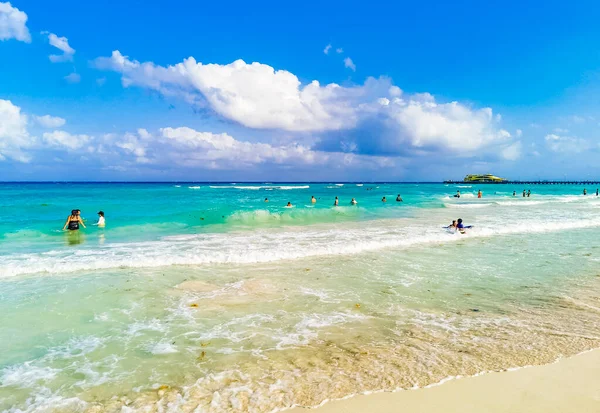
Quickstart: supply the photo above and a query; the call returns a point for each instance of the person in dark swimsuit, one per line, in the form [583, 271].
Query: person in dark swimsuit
[73, 221]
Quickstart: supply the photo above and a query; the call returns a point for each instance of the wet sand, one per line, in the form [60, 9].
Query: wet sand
[570, 385]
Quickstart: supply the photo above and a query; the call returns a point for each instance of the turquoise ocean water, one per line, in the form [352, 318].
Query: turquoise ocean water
[202, 297]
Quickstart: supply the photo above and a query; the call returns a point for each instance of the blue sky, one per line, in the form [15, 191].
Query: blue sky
[195, 91]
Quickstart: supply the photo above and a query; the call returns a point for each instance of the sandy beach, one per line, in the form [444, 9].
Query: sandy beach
[569, 385]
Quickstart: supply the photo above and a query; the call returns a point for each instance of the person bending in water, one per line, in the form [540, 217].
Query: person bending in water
[398, 198]
[313, 200]
[460, 226]
[73, 221]
[353, 202]
[101, 222]
[457, 194]
[336, 202]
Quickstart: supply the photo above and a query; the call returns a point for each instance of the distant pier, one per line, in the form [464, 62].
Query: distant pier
[527, 182]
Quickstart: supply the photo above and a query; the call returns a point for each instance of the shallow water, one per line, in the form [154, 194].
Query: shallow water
[257, 307]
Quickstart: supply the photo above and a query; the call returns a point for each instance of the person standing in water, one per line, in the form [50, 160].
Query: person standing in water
[73, 221]
[313, 200]
[479, 194]
[101, 222]
[336, 202]
[514, 193]
[596, 191]
[524, 193]
[353, 202]
[584, 191]
[398, 198]
[528, 193]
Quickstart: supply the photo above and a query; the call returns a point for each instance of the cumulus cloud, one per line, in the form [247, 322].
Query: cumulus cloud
[566, 144]
[512, 152]
[49, 122]
[339, 50]
[61, 43]
[13, 23]
[349, 64]
[62, 139]
[73, 78]
[376, 118]
[327, 49]
[14, 137]
[255, 95]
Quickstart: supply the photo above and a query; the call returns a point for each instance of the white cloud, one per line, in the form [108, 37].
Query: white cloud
[59, 138]
[566, 144]
[224, 148]
[50, 122]
[258, 96]
[14, 136]
[426, 123]
[339, 50]
[512, 152]
[577, 119]
[560, 130]
[13, 24]
[327, 49]
[255, 95]
[349, 64]
[519, 133]
[73, 78]
[61, 43]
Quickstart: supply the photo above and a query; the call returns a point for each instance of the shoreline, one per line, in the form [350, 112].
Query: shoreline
[569, 384]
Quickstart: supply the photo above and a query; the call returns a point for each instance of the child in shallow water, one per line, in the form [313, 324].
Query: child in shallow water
[101, 222]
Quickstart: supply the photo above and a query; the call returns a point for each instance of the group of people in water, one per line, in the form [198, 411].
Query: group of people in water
[336, 201]
[74, 221]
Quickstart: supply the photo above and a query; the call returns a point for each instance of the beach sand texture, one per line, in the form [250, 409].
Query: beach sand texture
[570, 385]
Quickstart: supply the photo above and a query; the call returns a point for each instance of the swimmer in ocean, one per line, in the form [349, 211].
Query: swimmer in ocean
[73, 221]
[313, 200]
[383, 199]
[457, 194]
[266, 199]
[353, 202]
[453, 225]
[101, 222]
[336, 202]
[289, 205]
[398, 198]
